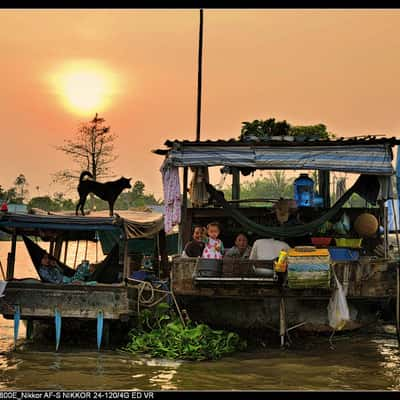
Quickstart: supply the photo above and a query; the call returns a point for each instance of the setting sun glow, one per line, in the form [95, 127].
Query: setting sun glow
[84, 88]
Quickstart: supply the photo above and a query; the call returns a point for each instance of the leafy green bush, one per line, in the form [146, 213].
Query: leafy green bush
[162, 334]
[270, 127]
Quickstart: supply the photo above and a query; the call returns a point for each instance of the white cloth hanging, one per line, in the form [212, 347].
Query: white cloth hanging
[172, 196]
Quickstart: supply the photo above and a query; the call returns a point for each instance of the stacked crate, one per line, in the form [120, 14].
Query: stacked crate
[309, 269]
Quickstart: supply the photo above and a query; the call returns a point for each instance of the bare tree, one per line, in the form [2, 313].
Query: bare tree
[21, 183]
[92, 150]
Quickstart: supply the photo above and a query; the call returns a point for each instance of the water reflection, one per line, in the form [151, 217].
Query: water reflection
[390, 365]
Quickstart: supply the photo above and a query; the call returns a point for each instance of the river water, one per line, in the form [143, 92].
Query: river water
[356, 362]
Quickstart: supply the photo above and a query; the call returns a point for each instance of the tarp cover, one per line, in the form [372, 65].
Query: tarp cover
[366, 159]
[133, 224]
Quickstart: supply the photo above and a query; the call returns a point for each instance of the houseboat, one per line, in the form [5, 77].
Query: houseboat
[355, 248]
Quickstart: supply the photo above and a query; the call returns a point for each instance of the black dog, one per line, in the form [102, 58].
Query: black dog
[108, 191]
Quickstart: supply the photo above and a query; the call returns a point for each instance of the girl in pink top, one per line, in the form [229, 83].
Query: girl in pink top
[214, 248]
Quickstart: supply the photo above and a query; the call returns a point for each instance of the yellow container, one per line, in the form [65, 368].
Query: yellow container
[354, 243]
[280, 266]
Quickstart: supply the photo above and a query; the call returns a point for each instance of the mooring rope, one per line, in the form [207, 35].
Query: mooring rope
[150, 302]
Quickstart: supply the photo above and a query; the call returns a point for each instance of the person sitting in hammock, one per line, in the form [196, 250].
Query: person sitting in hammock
[50, 272]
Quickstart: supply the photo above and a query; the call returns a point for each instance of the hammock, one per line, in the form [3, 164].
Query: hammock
[106, 271]
[281, 231]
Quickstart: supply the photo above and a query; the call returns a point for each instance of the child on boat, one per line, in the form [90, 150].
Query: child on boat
[214, 248]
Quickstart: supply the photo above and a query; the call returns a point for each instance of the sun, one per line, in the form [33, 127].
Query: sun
[85, 87]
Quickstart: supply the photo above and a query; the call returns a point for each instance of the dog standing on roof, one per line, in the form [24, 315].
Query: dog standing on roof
[108, 191]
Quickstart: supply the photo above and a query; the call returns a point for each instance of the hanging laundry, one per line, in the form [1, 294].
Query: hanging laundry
[172, 196]
[198, 193]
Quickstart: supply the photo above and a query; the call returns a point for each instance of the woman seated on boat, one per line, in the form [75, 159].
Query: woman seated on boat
[50, 272]
[195, 247]
[241, 249]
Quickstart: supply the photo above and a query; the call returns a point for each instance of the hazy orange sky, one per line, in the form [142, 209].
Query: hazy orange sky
[338, 67]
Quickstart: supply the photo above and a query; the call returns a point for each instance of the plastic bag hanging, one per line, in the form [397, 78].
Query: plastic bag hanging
[338, 310]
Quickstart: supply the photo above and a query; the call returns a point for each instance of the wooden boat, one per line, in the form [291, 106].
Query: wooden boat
[246, 301]
[109, 294]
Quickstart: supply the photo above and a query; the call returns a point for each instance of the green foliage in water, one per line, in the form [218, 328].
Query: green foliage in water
[162, 334]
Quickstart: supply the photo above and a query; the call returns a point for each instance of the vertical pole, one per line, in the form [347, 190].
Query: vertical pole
[100, 319]
[57, 321]
[323, 187]
[11, 258]
[65, 251]
[51, 250]
[235, 185]
[199, 76]
[86, 248]
[182, 226]
[17, 317]
[162, 244]
[126, 261]
[385, 226]
[76, 253]
[156, 253]
[282, 318]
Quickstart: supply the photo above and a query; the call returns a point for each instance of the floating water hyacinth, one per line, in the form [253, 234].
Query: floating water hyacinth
[165, 336]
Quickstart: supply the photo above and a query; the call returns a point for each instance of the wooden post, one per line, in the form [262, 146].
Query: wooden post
[126, 260]
[51, 250]
[11, 257]
[183, 224]
[235, 185]
[282, 318]
[156, 258]
[323, 187]
[57, 248]
[162, 247]
[65, 251]
[385, 226]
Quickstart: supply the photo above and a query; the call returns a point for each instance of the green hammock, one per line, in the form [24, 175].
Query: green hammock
[280, 231]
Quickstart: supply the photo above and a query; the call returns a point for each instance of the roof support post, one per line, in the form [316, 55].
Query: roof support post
[11, 256]
[183, 228]
[162, 247]
[323, 187]
[235, 184]
[126, 260]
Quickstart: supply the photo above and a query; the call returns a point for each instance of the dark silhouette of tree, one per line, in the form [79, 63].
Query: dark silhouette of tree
[21, 183]
[92, 150]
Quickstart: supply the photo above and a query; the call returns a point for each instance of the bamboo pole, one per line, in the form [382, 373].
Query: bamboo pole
[199, 76]
[2, 272]
[86, 247]
[76, 253]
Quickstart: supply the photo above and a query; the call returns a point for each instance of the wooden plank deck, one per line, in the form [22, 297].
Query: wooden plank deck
[39, 300]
